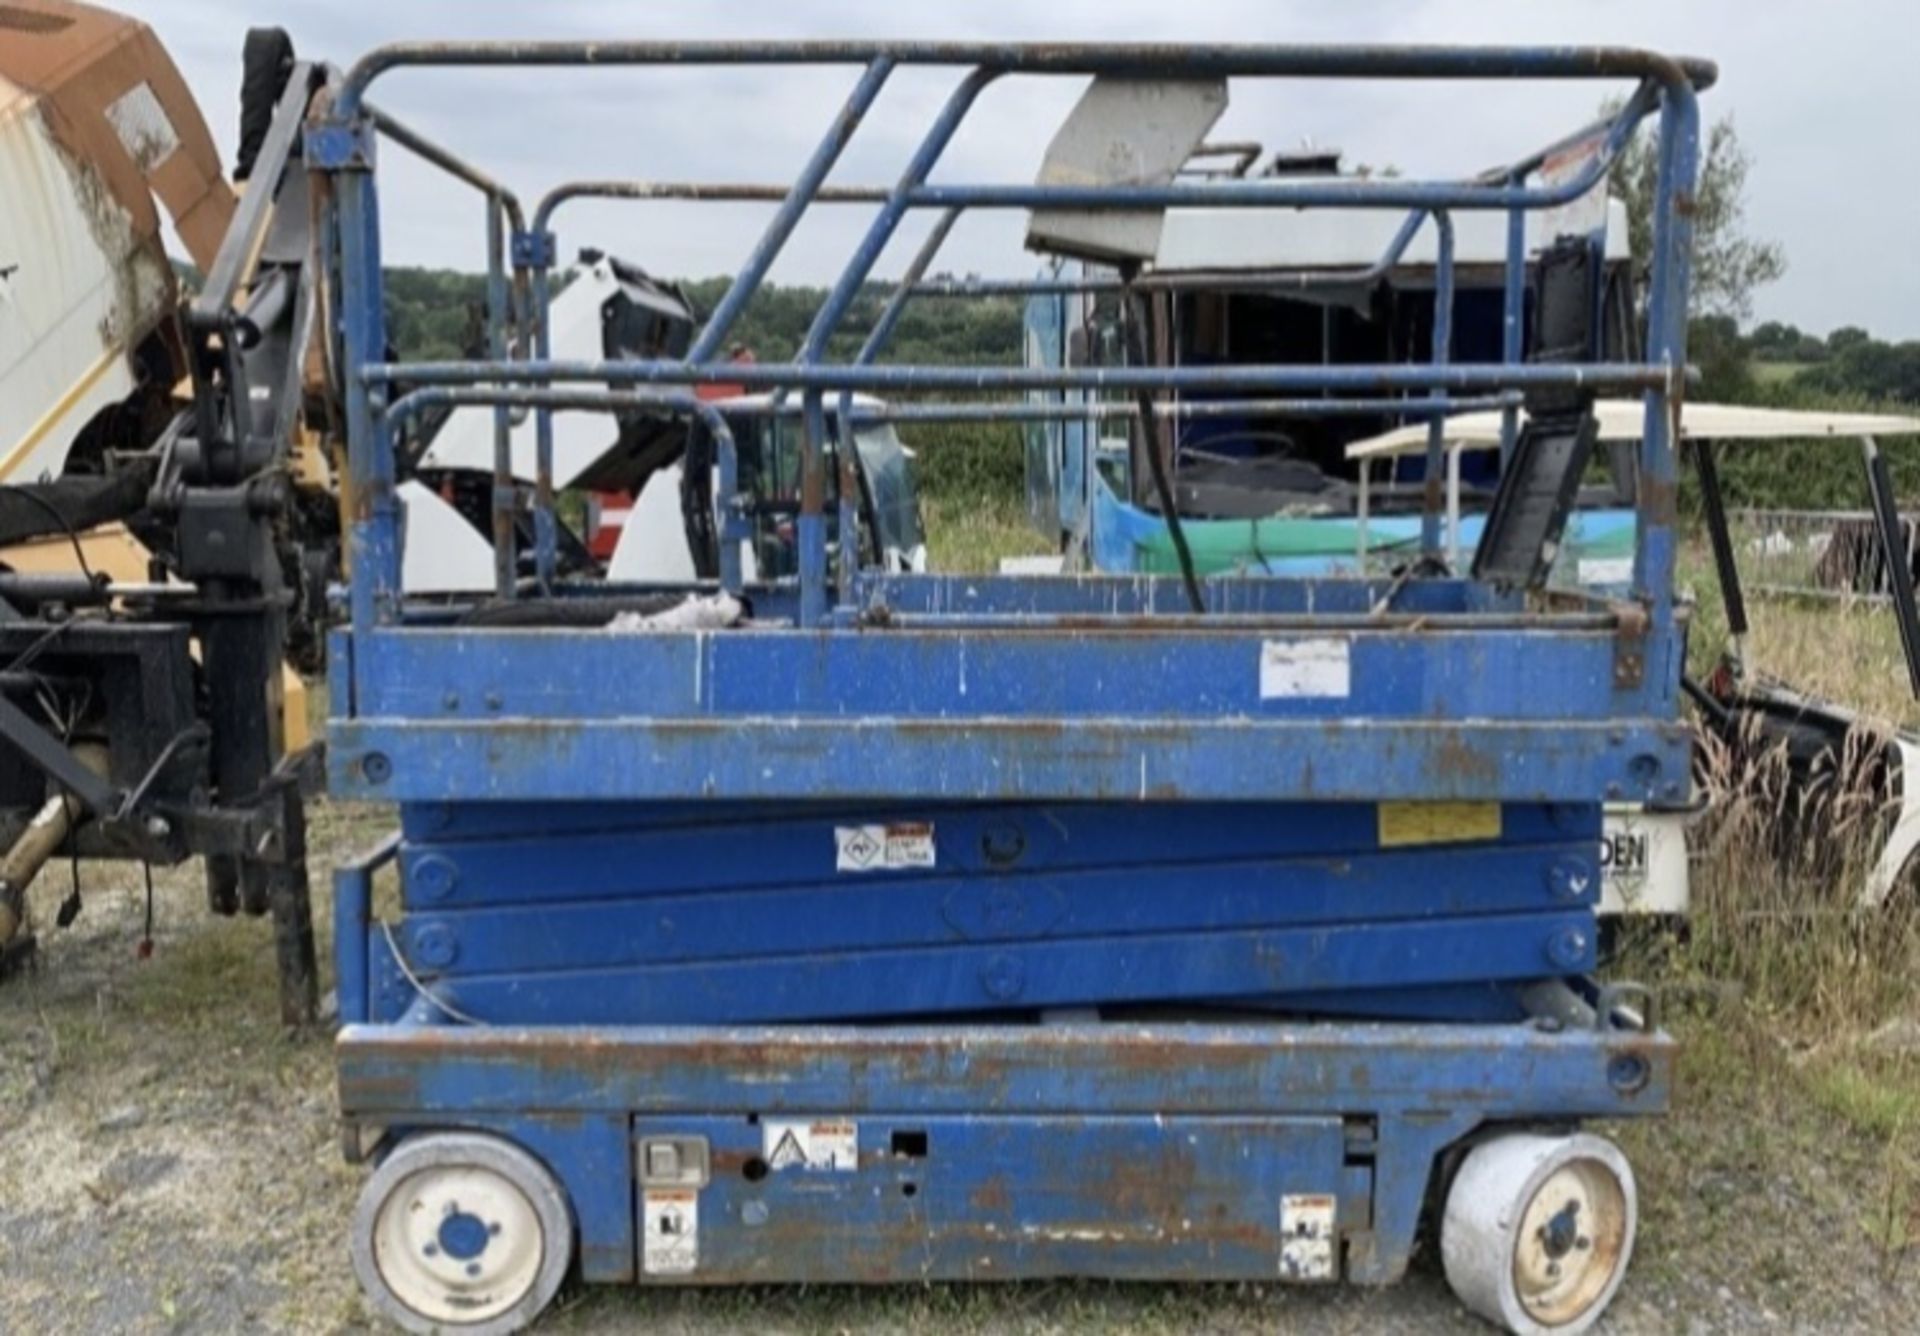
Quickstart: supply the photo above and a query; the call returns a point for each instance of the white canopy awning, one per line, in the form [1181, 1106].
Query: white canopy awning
[1622, 420]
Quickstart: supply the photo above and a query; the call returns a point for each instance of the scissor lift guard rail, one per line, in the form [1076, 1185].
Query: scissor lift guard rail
[938, 928]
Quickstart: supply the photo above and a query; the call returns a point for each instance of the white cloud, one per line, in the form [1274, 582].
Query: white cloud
[1823, 95]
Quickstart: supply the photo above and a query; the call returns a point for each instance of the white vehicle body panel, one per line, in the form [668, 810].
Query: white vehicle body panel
[1626, 419]
[466, 439]
[443, 554]
[1213, 240]
[1904, 839]
[653, 539]
[79, 288]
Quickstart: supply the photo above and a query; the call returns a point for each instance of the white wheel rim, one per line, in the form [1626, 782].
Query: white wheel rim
[1571, 1241]
[458, 1245]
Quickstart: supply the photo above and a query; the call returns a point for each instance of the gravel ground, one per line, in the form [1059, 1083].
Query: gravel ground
[169, 1163]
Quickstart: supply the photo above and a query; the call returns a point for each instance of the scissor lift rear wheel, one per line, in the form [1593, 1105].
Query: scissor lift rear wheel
[1538, 1231]
[462, 1232]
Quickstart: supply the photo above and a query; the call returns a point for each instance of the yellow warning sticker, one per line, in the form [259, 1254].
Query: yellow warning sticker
[1437, 823]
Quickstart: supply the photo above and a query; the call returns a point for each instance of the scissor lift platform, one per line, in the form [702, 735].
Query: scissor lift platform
[894, 928]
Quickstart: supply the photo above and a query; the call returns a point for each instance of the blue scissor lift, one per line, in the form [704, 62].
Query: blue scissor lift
[928, 927]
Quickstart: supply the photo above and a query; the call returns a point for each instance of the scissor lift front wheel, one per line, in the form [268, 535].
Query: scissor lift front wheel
[460, 1232]
[1538, 1231]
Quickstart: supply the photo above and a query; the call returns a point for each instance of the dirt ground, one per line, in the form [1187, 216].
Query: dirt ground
[168, 1162]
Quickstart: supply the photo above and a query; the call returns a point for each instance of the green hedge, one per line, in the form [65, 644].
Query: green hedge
[1821, 474]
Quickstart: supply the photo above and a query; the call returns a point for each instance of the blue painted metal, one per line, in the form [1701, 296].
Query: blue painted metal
[812, 525]
[505, 490]
[1026, 1177]
[1654, 553]
[1141, 759]
[1442, 355]
[414, 402]
[545, 539]
[1599, 376]
[1047, 441]
[373, 522]
[847, 488]
[750, 918]
[1513, 321]
[353, 925]
[1035, 669]
[661, 884]
[466, 857]
[1308, 967]
[1125, 1150]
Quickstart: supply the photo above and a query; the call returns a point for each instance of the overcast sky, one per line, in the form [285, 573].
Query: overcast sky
[1825, 96]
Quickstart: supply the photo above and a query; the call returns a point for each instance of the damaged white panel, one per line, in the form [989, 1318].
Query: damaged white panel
[142, 124]
[76, 290]
[1124, 132]
[1318, 669]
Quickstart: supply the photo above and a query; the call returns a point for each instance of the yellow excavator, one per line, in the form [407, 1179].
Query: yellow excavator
[168, 520]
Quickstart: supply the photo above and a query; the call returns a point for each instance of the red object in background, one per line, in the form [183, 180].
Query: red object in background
[607, 511]
[738, 353]
[606, 516]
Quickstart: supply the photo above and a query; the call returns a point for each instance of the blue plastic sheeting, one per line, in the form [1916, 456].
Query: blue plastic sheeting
[1124, 538]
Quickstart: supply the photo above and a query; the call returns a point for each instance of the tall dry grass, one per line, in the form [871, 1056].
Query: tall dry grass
[1779, 857]
[1777, 871]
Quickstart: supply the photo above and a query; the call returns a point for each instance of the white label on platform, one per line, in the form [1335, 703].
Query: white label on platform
[1306, 1236]
[670, 1242]
[825, 1146]
[1305, 669]
[904, 844]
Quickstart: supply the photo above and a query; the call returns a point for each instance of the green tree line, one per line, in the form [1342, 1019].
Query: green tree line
[433, 313]
[438, 313]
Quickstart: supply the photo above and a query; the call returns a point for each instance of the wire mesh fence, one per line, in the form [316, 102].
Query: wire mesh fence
[1825, 554]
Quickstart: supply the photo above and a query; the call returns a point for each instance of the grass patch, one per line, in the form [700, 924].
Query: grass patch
[1876, 1097]
[968, 536]
[1776, 373]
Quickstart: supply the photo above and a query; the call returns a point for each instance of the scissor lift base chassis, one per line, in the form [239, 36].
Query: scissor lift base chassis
[1199, 1150]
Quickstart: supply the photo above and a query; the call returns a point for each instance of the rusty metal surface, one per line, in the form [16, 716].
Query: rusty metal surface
[1116, 1068]
[1146, 58]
